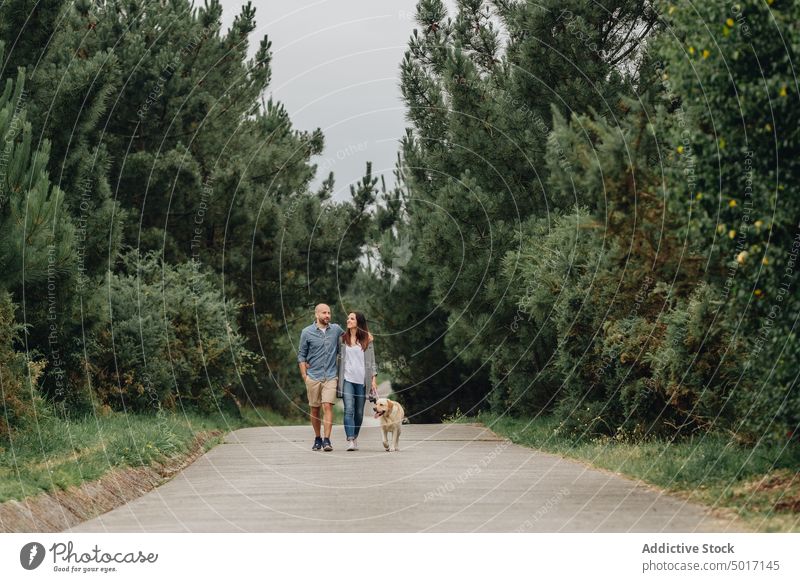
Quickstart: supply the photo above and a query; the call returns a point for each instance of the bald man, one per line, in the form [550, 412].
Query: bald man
[319, 347]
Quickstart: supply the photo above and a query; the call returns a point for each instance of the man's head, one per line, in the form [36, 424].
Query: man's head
[323, 314]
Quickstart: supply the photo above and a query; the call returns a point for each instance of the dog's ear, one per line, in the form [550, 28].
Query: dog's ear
[389, 404]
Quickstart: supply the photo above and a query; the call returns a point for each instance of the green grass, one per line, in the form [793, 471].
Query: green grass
[261, 416]
[56, 454]
[267, 417]
[760, 484]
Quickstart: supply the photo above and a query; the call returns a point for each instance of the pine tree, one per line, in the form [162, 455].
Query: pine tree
[25, 28]
[480, 90]
[37, 263]
[36, 233]
[166, 106]
[393, 289]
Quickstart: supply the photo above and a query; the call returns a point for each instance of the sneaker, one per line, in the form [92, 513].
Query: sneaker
[351, 446]
[355, 444]
[317, 444]
[326, 445]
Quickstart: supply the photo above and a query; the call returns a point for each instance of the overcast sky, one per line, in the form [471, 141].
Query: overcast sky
[336, 67]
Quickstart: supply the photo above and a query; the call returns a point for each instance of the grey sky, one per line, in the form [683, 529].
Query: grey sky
[336, 67]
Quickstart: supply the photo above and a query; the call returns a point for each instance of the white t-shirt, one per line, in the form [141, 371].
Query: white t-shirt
[354, 370]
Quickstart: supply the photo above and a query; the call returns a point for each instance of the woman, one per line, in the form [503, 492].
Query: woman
[357, 370]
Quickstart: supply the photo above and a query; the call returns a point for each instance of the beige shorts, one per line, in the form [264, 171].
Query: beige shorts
[319, 391]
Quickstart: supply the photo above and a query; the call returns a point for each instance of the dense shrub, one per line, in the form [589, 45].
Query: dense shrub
[171, 339]
[733, 155]
[696, 365]
[554, 255]
[19, 398]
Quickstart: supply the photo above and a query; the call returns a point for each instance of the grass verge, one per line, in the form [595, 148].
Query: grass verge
[759, 484]
[55, 454]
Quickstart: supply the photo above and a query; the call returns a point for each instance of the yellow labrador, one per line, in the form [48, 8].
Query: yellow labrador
[391, 415]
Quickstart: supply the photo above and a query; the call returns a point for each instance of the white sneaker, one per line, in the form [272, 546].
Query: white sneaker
[355, 444]
[351, 446]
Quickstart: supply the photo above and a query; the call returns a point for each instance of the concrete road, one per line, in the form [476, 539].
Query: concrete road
[446, 478]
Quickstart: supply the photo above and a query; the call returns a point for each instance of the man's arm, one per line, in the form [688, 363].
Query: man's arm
[302, 354]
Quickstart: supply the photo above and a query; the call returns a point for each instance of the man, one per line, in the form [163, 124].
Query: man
[319, 347]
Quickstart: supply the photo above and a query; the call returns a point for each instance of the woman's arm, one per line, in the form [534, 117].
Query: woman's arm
[372, 368]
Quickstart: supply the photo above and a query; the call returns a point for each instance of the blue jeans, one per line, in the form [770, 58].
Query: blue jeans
[354, 396]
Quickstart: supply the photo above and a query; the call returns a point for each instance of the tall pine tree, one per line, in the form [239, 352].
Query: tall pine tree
[481, 89]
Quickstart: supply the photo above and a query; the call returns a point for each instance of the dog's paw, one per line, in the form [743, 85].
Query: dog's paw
[386, 446]
[391, 449]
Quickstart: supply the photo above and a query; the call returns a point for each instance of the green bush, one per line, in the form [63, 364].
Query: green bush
[727, 77]
[554, 257]
[171, 339]
[19, 398]
[697, 365]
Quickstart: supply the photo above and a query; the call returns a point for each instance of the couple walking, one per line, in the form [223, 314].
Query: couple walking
[335, 362]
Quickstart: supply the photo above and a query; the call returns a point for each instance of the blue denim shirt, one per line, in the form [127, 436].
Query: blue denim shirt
[319, 348]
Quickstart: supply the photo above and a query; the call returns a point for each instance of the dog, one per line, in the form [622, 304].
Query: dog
[391, 415]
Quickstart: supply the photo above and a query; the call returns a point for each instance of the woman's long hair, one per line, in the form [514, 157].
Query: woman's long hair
[362, 331]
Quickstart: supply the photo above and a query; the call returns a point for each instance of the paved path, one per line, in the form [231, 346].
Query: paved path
[446, 478]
